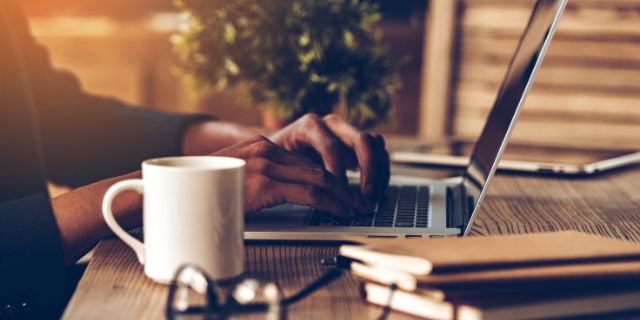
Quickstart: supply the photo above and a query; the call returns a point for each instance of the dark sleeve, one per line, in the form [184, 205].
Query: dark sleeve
[33, 275]
[87, 138]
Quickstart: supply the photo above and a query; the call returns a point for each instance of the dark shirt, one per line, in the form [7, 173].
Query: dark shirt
[51, 130]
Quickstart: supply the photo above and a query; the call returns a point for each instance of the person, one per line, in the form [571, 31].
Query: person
[50, 130]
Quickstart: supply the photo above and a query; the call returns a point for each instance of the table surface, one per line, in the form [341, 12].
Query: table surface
[115, 287]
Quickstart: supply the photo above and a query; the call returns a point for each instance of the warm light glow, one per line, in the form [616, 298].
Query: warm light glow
[70, 26]
[166, 21]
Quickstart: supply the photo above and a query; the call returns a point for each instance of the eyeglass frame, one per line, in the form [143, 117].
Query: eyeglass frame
[227, 308]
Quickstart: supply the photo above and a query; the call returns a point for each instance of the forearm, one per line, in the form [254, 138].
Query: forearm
[207, 137]
[79, 215]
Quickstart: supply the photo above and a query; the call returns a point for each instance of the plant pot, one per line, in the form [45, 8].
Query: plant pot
[271, 121]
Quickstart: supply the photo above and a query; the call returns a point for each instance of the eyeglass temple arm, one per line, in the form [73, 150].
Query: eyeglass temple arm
[322, 281]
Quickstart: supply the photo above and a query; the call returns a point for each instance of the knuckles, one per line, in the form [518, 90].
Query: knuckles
[258, 165]
[324, 178]
[310, 118]
[311, 194]
[332, 117]
[262, 149]
[365, 139]
[258, 138]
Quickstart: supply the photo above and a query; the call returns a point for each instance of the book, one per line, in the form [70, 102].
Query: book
[503, 277]
[479, 305]
[470, 253]
[555, 257]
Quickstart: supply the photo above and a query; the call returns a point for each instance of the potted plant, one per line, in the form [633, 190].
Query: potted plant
[293, 56]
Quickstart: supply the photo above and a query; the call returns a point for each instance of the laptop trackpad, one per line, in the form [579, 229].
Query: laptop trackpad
[286, 216]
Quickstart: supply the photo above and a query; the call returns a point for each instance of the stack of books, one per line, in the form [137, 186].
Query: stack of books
[533, 276]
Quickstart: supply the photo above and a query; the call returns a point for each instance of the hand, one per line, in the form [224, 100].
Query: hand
[339, 145]
[275, 176]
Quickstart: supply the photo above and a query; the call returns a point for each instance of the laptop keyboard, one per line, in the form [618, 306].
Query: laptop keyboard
[401, 206]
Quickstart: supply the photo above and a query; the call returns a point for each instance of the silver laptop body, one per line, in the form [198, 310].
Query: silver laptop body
[421, 207]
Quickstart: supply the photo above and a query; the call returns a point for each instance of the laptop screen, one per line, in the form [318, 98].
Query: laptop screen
[511, 96]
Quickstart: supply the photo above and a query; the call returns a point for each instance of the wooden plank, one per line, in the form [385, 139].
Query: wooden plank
[569, 77]
[558, 131]
[588, 88]
[604, 118]
[436, 71]
[576, 21]
[598, 3]
[610, 54]
[473, 95]
[115, 287]
[605, 204]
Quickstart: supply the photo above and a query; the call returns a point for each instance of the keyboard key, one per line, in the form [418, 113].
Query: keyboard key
[405, 214]
[404, 224]
[341, 221]
[319, 213]
[325, 220]
[385, 214]
[383, 224]
[314, 223]
[362, 222]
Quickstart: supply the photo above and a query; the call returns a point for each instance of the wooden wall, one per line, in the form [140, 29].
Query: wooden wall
[587, 91]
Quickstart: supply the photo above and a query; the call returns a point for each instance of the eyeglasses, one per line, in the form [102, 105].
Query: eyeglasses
[194, 296]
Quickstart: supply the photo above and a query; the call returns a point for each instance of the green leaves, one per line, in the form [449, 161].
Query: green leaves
[297, 56]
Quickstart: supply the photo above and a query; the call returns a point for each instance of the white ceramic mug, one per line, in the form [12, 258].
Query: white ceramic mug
[193, 212]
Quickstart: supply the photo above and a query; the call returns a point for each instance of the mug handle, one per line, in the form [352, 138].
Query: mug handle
[132, 184]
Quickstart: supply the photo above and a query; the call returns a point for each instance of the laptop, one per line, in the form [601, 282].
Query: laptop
[415, 207]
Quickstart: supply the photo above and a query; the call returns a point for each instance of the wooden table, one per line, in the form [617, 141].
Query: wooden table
[115, 287]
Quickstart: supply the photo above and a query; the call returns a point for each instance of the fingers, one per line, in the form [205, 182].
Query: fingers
[326, 144]
[370, 151]
[275, 175]
[313, 196]
[314, 177]
[286, 157]
[261, 147]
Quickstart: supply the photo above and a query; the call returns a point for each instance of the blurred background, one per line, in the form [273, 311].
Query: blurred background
[587, 92]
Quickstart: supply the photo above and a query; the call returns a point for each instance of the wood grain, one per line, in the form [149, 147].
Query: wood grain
[115, 287]
[607, 205]
[435, 93]
[588, 86]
